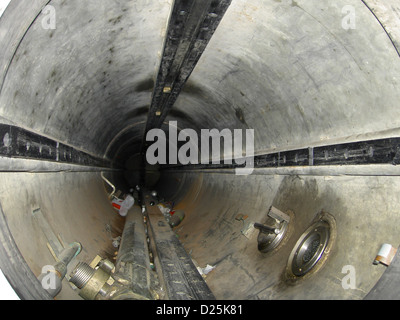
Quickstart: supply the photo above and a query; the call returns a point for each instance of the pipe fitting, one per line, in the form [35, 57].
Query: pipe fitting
[59, 270]
[91, 282]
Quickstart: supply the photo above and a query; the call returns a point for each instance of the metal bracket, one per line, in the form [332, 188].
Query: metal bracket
[278, 215]
[53, 242]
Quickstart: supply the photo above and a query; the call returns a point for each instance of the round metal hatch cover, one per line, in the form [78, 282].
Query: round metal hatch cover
[309, 248]
[269, 242]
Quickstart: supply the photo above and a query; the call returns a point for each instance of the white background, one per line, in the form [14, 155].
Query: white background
[3, 5]
[6, 291]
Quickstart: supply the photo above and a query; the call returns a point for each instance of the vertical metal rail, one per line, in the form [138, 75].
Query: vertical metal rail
[190, 28]
[179, 275]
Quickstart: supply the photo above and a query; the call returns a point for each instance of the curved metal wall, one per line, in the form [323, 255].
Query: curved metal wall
[294, 71]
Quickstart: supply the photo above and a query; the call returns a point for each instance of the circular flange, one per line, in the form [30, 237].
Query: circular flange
[309, 248]
[268, 242]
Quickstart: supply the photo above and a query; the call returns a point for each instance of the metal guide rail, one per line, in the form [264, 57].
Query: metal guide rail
[181, 278]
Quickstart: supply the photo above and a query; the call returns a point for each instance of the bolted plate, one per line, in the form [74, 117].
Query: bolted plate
[309, 248]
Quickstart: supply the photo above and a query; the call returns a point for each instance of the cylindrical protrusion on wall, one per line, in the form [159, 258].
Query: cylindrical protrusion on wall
[81, 275]
[385, 255]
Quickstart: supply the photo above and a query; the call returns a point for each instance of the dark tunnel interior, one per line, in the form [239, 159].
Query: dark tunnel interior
[314, 84]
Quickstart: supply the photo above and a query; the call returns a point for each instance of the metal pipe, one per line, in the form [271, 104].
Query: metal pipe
[66, 257]
[110, 184]
[51, 279]
[265, 229]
